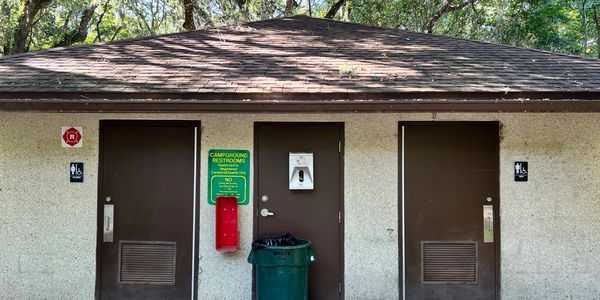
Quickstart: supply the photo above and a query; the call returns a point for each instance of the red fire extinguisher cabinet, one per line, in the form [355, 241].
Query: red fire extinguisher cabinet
[227, 234]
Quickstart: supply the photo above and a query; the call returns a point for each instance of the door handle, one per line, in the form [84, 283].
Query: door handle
[488, 223]
[265, 213]
[109, 223]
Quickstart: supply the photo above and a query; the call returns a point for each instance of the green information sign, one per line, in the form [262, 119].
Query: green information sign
[228, 174]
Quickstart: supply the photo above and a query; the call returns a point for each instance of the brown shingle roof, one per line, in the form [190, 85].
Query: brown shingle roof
[297, 55]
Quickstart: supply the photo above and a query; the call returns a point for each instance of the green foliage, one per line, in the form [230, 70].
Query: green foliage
[566, 26]
[553, 25]
[9, 12]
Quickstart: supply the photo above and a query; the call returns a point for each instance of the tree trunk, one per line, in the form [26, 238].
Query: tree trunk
[25, 21]
[334, 9]
[188, 10]
[447, 7]
[597, 23]
[289, 7]
[584, 15]
[81, 32]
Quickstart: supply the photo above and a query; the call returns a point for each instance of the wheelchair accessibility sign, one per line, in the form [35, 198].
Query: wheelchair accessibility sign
[76, 171]
[521, 171]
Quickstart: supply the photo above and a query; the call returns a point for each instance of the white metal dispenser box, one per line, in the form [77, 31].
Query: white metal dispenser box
[302, 174]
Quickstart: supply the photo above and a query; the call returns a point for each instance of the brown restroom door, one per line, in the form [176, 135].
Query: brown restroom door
[450, 179]
[310, 214]
[147, 175]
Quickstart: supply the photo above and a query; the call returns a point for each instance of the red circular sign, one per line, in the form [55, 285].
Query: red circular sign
[72, 136]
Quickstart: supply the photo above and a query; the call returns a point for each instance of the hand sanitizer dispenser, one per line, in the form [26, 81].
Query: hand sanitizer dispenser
[302, 174]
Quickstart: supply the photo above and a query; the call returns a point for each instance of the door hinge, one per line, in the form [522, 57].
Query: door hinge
[340, 288]
[340, 217]
[339, 146]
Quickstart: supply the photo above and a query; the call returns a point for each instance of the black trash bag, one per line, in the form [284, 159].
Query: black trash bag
[284, 240]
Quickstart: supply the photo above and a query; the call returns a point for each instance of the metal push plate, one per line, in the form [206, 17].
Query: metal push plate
[488, 223]
[109, 221]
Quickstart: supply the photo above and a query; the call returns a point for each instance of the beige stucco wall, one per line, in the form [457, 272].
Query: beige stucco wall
[551, 224]
[550, 230]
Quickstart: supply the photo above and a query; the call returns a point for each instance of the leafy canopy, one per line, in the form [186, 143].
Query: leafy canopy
[566, 26]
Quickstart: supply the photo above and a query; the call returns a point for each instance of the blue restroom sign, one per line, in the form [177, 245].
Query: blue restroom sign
[521, 171]
[76, 171]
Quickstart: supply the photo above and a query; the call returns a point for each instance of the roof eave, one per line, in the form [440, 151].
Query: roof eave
[303, 102]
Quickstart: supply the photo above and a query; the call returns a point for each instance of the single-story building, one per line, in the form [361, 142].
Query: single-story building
[420, 166]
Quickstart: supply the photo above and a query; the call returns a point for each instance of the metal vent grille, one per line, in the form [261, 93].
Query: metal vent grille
[147, 262]
[449, 262]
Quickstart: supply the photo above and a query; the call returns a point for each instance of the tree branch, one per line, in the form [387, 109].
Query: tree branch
[204, 15]
[66, 23]
[81, 32]
[98, 33]
[446, 8]
[141, 17]
[334, 9]
[116, 32]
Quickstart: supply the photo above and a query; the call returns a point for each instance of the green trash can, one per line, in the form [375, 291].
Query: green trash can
[282, 271]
